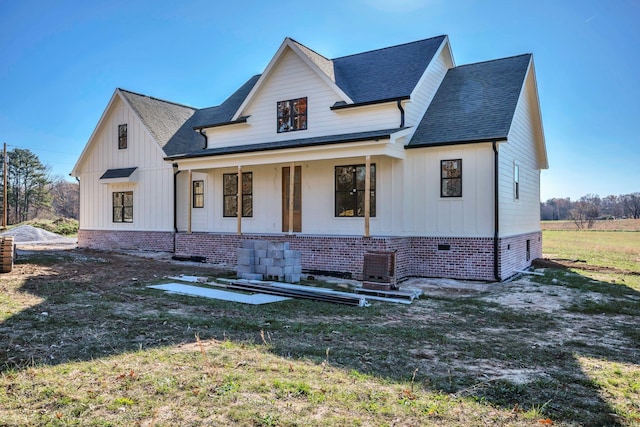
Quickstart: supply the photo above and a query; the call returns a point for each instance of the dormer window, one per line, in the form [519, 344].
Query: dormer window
[122, 137]
[292, 115]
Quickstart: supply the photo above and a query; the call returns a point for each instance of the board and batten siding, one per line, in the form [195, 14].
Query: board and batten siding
[292, 78]
[152, 190]
[522, 215]
[408, 201]
[318, 200]
[425, 213]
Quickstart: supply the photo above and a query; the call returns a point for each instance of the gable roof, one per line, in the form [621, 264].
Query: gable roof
[161, 118]
[186, 138]
[387, 73]
[474, 103]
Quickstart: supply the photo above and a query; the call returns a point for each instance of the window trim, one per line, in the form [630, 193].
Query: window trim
[245, 195]
[194, 194]
[292, 116]
[372, 199]
[443, 178]
[122, 206]
[122, 136]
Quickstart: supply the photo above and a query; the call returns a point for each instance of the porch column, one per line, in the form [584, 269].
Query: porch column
[292, 175]
[367, 195]
[239, 213]
[190, 202]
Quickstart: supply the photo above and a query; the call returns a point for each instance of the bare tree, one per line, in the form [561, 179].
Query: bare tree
[631, 203]
[585, 211]
[65, 198]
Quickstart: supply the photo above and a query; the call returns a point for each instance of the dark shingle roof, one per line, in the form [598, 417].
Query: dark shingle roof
[475, 102]
[376, 75]
[292, 143]
[387, 73]
[187, 139]
[161, 118]
[118, 173]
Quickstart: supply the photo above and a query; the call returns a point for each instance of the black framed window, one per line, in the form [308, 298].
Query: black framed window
[198, 194]
[451, 178]
[123, 206]
[230, 194]
[292, 115]
[350, 184]
[122, 136]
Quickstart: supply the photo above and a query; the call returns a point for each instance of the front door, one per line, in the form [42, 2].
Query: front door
[297, 199]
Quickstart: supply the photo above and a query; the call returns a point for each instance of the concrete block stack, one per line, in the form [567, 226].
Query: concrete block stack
[264, 260]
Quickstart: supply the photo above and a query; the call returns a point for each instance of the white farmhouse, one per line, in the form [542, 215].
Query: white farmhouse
[396, 149]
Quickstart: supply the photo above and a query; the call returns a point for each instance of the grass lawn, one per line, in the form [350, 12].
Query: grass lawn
[84, 342]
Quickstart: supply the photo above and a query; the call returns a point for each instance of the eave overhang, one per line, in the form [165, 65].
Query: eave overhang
[118, 176]
[341, 105]
[240, 120]
[462, 142]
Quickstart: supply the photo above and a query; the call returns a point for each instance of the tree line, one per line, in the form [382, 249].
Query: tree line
[586, 210]
[31, 190]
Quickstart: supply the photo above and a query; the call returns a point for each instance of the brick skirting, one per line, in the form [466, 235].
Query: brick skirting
[158, 241]
[454, 257]
[450, 257]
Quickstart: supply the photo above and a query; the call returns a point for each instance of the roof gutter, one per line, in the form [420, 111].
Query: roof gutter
[496, 216]
[343, 105]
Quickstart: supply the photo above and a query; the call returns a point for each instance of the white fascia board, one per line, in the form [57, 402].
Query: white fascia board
[161, 152]
[537, 114]
[287, 43]
[87, 147]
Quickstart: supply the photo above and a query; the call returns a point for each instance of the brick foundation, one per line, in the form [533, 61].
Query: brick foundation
[450, 257]
[513, 252]
[159, 241]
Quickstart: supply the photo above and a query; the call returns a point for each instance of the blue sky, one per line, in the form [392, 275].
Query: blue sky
[60, 62]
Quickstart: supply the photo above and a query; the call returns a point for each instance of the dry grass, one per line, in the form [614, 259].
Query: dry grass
[601, 225]
[83, 343]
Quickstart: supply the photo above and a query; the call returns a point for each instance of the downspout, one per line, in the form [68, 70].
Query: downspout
[496, 219]
[401, 113]
[78, 180]
[206, 139]
[175, 204]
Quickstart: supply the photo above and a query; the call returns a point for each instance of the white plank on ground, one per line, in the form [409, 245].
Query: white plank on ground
[254, 299]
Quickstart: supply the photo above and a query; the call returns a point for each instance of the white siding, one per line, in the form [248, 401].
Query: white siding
[407, 193]
[425, 213]
[291, 78]
[153, 189]
[523, 215]
[428, 86]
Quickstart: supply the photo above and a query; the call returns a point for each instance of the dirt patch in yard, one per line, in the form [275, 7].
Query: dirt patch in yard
[515, 344]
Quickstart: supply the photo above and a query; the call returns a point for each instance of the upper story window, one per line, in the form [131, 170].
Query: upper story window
[122, 136]
[451, 178]
[292, 115]
[350, 187]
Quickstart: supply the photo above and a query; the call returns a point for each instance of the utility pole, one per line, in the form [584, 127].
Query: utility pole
[4, 187]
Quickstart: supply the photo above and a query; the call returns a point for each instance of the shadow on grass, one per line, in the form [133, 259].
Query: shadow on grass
[467, 347]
